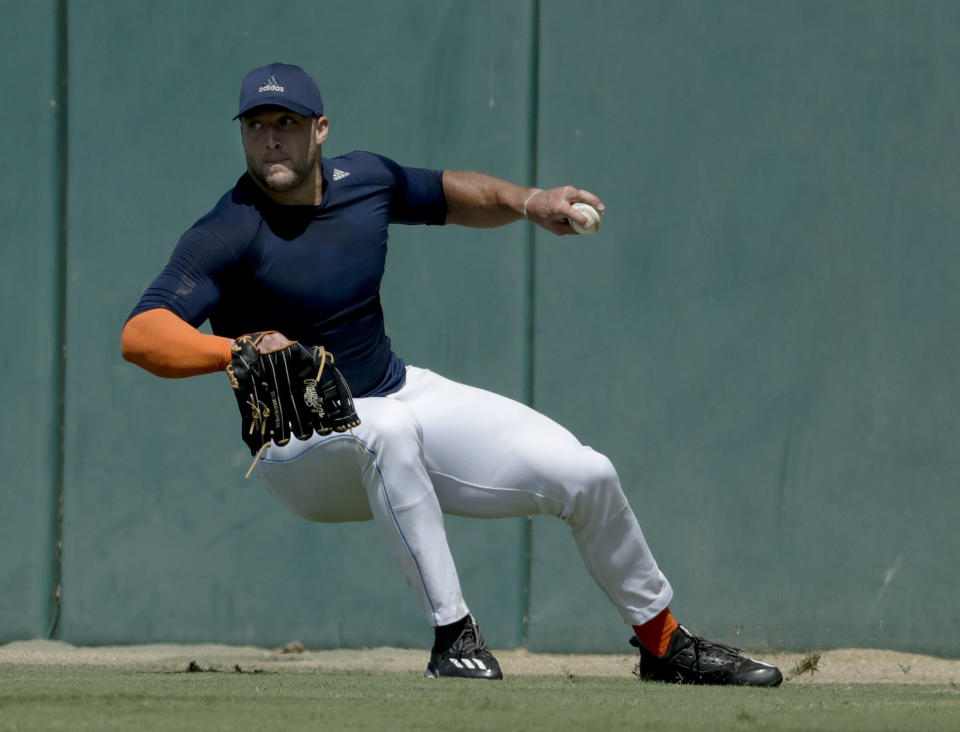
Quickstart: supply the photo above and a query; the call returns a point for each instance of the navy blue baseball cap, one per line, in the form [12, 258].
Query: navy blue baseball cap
[280, 85]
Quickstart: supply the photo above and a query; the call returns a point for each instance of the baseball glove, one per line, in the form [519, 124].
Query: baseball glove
[284, 389]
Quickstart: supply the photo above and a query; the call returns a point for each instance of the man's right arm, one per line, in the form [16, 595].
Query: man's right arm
[165, 345]
[480, 200]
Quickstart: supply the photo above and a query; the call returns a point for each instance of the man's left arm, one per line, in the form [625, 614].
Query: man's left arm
[483, 201]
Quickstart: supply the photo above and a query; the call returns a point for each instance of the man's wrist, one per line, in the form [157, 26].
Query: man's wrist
[224, 354]
[528, 199]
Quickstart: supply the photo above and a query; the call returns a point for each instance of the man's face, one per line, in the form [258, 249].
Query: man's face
[281, 146]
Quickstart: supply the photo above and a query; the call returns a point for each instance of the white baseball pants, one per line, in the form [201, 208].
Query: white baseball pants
[437, 447]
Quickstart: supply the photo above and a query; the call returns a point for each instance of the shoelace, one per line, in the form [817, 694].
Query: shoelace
[470, 641]
[701, 646]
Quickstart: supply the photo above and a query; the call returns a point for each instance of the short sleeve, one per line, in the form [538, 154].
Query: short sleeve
[418, 196]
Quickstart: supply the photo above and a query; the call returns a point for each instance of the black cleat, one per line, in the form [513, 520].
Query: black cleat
[467, 657]
[694, 660]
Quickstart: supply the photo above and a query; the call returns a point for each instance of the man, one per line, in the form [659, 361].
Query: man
[298, 246]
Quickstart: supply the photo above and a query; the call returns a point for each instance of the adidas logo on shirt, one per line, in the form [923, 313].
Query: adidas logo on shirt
[340, 174]
[271, 84]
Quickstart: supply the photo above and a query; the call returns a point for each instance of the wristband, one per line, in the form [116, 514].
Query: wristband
[529, 198]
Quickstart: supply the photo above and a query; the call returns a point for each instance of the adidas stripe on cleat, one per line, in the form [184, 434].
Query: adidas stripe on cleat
[467, 663]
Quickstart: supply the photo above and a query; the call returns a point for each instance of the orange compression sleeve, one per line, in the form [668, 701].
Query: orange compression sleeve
[166, 345]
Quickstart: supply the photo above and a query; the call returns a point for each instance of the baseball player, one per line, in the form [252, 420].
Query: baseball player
[298, 247]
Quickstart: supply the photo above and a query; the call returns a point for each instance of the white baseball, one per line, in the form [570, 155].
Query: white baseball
[591, 213]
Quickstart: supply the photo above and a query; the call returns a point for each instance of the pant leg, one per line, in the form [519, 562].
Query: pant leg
[489, 456]
[376, 471]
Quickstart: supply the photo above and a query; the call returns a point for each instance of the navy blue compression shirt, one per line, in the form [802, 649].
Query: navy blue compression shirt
[311, 272]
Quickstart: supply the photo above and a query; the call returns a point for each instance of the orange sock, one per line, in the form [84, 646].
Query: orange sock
[655, 634]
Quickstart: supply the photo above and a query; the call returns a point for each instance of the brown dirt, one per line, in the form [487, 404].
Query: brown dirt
[848, 666]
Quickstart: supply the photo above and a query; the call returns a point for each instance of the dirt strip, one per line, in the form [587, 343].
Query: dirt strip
[847, 666]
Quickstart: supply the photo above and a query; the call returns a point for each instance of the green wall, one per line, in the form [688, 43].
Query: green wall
[162, 534]
[30, 263]
[759, 337]
[776, 329]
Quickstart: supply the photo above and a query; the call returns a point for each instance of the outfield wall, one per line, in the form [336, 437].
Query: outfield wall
[760, 338]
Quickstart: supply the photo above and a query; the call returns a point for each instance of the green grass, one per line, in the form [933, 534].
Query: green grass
[40, 698]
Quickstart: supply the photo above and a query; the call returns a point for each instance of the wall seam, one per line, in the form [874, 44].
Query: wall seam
[531, 287]
[60, 322]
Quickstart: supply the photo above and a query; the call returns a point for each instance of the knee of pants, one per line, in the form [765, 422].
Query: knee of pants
[393, 439]
[597, 491]
[391, 430]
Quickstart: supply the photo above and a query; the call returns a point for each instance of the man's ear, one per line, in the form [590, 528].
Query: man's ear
[323, 127]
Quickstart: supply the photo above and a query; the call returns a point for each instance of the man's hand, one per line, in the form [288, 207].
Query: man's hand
[553, 208]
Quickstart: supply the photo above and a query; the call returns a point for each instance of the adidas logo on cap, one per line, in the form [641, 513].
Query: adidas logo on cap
[340, 174]
[271, 84]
